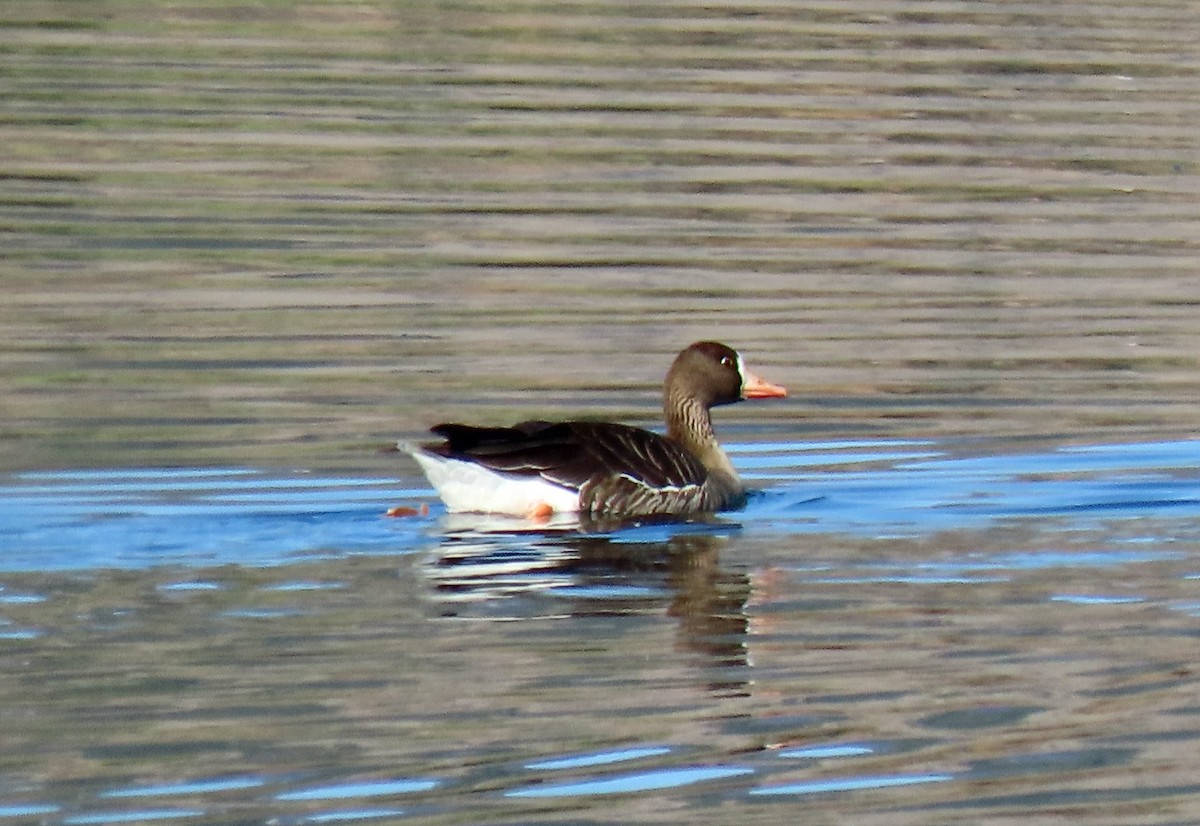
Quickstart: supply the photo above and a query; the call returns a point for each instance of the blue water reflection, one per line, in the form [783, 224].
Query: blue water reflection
[633, 782]
[142, 518]
[193, 787]
[145, 517]
[351, 815]
[27, 810]
[135, 816]
[374, 788]
[599, 758]
[824, 752]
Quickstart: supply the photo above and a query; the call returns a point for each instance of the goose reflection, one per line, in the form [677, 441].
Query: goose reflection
[516, 575]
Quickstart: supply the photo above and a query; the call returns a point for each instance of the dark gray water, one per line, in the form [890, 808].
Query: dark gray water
[282, 234]
[246, 245]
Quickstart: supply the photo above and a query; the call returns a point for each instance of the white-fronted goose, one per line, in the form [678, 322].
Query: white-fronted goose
[536, 469]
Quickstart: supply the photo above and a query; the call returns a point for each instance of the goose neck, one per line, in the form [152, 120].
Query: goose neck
[689, 424]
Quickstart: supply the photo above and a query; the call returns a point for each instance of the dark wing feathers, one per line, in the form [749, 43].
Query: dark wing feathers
[647, 457]
[526, 448]
[573, 454]
[465, 438]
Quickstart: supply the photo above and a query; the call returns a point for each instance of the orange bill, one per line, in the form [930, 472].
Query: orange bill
[756, 387]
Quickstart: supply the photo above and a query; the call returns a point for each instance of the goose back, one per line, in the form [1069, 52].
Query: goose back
[613, 467]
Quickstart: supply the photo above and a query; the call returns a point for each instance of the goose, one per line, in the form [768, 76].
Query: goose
[537, 469]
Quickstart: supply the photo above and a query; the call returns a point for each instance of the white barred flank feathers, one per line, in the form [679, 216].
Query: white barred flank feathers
[626, 494]
[666, 489]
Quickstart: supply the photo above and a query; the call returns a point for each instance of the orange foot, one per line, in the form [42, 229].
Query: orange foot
[541, 512]
[405, 510]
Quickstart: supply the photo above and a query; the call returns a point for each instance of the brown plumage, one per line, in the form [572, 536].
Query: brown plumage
[599, 468]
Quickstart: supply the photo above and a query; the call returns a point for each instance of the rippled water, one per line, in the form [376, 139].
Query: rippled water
[891, 631]
[257, 232]
[246, 245]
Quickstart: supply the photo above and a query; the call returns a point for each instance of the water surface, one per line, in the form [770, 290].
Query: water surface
[907, 632]
[283, 234]
[246, 246]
